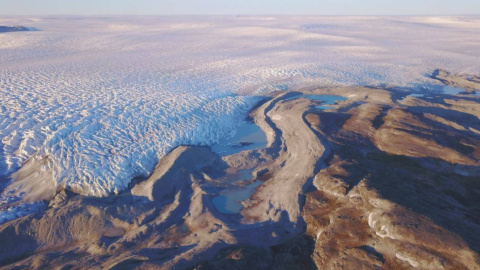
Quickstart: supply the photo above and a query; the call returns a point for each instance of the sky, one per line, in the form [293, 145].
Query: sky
[179, 7]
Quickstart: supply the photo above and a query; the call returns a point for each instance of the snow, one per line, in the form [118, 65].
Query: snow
[103, 98]
[384, 232]
[13, 212]
[413, 263]
[371, 222]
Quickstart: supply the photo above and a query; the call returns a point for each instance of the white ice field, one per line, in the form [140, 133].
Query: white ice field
[88, 103]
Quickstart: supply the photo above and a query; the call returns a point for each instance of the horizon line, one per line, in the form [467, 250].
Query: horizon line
[243, 14]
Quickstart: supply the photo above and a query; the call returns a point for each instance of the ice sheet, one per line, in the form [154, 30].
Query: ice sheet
[96, 101]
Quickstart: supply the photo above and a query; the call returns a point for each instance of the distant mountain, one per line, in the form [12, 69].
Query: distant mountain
[15, 28]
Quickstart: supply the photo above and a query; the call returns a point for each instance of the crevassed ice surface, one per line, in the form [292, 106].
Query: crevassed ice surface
[103, 98]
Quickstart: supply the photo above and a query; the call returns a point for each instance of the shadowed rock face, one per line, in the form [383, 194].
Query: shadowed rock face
[16, 28]
[382, 181]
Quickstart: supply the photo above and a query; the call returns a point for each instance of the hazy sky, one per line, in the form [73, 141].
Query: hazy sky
[321, 7]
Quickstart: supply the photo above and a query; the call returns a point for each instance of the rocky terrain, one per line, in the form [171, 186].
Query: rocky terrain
[467, 82]
[382, 180]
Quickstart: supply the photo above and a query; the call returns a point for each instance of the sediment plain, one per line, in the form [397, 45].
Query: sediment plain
[382, 180]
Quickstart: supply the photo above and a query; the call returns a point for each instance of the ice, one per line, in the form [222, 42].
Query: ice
[412, 262]
[14, 212]
[103, 98]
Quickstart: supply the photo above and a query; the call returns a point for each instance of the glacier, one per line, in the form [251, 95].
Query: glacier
[89, 103]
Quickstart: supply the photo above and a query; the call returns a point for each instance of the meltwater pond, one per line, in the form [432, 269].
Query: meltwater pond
[228, 201]
[248, 136]
[325, 99]
[450, 90]
[445, 90]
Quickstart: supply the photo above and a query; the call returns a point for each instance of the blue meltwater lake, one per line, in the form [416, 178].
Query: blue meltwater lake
[248, 136]
[228, 201]
[324, 99]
